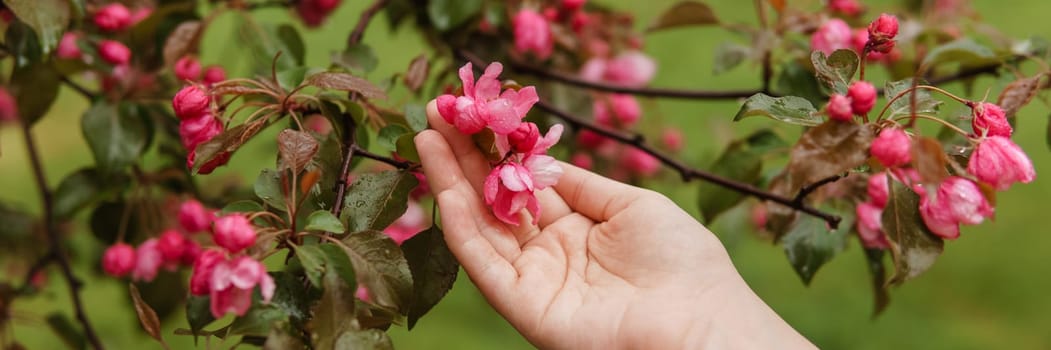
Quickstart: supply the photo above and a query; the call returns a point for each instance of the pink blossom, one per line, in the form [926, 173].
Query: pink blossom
[483, 105]
[148, 260]
[625, 108]
[171, 244]
[839, 109]
[8, 106]
[862, 97]
[213, 74]
[878, 189]
[990, 120]
[582, 160]
[114, 52]
[314, 12]
[118, 260]
[532, 33]
[594, 70]
[509, 187]
[846, 7]
[319, 124]
[191, 102]
[201, 278]
[672, 139]
[232, 283]
[523, 139]
[233, 232]
[191, 250]
[640, 163]
[892, 147]
[579, 20]
[1000, 163]
[833, 35]
[572, 5]
[194, 217]
[68, 48]
[631, 68]
[957, 201]
[114, 17]
[362, 293]
[600, 111]
[870, 226]
[882, 32]
[408, 225]
[187, 68]
[422, 189]
[194, 132]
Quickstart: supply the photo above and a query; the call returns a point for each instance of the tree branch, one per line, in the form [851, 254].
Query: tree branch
[688, 173]
[363, 22]
[400, 164]
[349, 144]
[54, 240]
[808, 189]
[88, 94]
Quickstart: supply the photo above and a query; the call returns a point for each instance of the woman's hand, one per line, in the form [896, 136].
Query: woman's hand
[609, 265]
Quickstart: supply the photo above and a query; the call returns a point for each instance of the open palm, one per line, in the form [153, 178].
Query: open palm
[607, 265]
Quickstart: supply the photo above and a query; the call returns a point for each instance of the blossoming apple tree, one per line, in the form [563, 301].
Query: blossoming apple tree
[335, 241]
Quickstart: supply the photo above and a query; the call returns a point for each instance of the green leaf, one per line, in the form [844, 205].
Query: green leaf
[810, 243]
[293, 41]
[313, 260]
[48, 18]
[449, 14]
[406, 147]
[798, 80]
[729, 55]
[269, 188]
[265, 42]
[388, 136]
[381, 267]
[291, 296]
[376, 200]
[788, 109]
[964, 51]
[925, 104]
[742, 161]
[35, 87]
[83, 188]
[330, 160]
[198, 313]
[243, 206]
[290, 78]
[684, 14]
[16, 232]
[416, 116]
[281, 339]
[22, 44]
[334, 312]
[66, 331]
[258, 321]
[360, 59]
[913, 247]
[364, 339]
[836, 71]
[323, 220]
[880, 293]
[434, 269]
[117, 137]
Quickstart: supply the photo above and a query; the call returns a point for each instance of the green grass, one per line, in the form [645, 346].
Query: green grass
[987, 291]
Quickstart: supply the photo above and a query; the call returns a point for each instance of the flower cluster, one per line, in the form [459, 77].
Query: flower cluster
[198, 124]
[511, 185]
[188, 68]
[877, 40]
[171, 249]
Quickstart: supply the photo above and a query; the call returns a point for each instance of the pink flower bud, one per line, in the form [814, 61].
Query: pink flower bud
[362, 293]
[194, 217]
[118, 260]
[957, 201]
[862, 97]
[1000, 163]
[8, 106]
[989, 120]
[846, 7]
[759, 216]
[640, 163]
[114, 52]
[672, 139]
[892, 148]
[590, 140]
[190, 253]
[594, 70]
[408, 225]
[833, 35]
[148, 260]
[523, 139]
[625, 108]
[314, 12]
[532, 34]
[201, 278]
[187, 68]
[582, 160]
[113, 18]
[207, 168]
[171, 244]
[194, 132]
[550, 13]
[579, 21]
[319, 124]
[67, 47]
[572, 5]
[233, 232]
[214, 74]
[882, 32]
[839, 108]
[631, 68]
[870, 226]
[191, 102]
[878, 189]
[600, 111]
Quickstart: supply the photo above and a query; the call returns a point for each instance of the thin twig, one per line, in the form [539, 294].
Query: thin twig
[400, 164]
[37, 267]
[768, 71]
[808, 189]
[83, 91]
[54, 240]
[363, 22]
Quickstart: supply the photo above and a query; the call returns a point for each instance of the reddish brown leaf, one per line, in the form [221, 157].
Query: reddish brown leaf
[147, 317]
[828, 149]
[778, 5]
[309, 179]
[929, 159]
[296, 148]
[183, 40]
[226, 143]
[417, 74]
[346, 82]
[1018, 94]
[685, 13]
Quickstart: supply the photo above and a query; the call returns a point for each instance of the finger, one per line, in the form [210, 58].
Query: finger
[593, 195]
[444, 175]
[476, 167]
[490, 270]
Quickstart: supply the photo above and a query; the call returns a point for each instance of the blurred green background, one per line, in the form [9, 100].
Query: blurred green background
[989, 289]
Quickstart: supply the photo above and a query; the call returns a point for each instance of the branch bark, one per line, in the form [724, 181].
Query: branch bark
[364, 20]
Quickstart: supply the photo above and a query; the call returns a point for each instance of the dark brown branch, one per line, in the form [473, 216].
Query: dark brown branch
[768, 70]
[268, 4]
[88, 94]
[41, 264]
[808, 189]
[688, 173]
[363, 22]
[349, 130]
[400, 164]
[54, 240]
